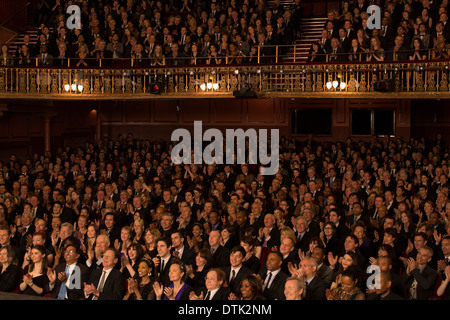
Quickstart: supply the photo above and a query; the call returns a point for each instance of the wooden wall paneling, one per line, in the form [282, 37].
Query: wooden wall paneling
[138, 111]
[228, 111]
[196, 110]
[261, 111]
[165, 111]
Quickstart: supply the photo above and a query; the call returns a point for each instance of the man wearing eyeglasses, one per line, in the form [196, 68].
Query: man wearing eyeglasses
[66, 281]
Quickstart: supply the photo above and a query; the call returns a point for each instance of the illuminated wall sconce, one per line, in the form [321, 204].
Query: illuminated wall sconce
[336, 85]
[73, 88]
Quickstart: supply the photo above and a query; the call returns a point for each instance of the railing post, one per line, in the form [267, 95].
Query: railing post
[276, 54]
[259, 51]
[295, 52]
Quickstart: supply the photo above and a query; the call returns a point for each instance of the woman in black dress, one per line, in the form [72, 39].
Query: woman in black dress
[141, 287]
[9, 270]
[35, 280]
[196, 277]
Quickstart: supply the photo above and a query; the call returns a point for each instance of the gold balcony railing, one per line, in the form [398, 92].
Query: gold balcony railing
[399, 79]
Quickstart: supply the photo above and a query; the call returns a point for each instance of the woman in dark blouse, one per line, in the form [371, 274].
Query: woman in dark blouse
[35, 280]
[196, 278]
[142, 287]
[130, 262]
[9, 270]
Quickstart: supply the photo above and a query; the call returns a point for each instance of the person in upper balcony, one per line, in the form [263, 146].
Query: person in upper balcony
[336, 53]
[376, 52]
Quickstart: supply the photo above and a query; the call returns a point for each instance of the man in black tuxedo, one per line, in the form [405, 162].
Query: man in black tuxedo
[180, 251]
[315, 286]
[236, 271]
[273, 277]
[67, 278]
[302, 234]
[420, 278]
[214, 289]
[107, 283]
[163, 260]
[269, 235]
[221, 255]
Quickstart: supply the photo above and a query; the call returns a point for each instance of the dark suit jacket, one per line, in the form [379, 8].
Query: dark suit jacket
[304, 242]
[188, 256]
[276, 290]
[163, 276]
[274, 239]
[315, 290]
[10, 278]
[114, 288]
[426, 282]
[221, 294]
[72, 294]
[221, 257]
[326, 274]
[235, 284]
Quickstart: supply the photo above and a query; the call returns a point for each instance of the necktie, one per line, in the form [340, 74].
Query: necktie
[101, 284]
[268, 278]
[162, 265]
[176, 253]
[63, 289]
[355, 219]
[208, 295]
[233, 275]
[447, 261]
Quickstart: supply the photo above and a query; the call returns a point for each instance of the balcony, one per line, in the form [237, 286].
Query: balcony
[122, 80]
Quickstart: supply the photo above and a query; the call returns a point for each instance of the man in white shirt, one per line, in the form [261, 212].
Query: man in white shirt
[107, 283]
[67, 278]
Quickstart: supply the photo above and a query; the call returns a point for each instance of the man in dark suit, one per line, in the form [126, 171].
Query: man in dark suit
[163, 260]
[289, 252]
[269, 235]
[256, 216]
[420, 278]
[214, 289]
[302, 234]
[181, 251]
[323, 271]
[273, 278]
[315, 286]
[236, 271]
[356, 216]
[112, 230]
[345, 42]
[25, 231]
[221, 255]
[336, 53]
[107, 283]
[67, 278]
